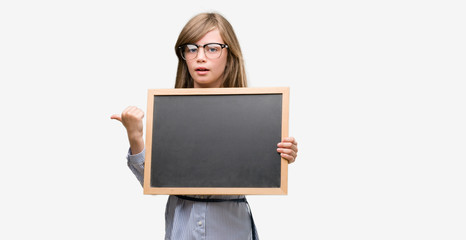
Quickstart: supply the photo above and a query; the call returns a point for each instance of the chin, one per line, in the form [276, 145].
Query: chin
[202, 85]
[205, 84]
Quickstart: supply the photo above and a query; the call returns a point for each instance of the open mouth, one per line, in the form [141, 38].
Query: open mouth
[201, 69]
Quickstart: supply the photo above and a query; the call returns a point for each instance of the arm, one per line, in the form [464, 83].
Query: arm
[131, 118]
[136, 164]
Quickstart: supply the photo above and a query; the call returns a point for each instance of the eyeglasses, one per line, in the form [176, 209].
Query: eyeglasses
[211, 50]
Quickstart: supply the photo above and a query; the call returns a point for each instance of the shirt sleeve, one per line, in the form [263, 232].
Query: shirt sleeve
[136, 164]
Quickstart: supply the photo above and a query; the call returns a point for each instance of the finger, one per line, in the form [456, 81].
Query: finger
[287, 157]
[290, 139]
[131, 109]
[127, 109]
[285, 144]
[140, 114]
[116, 117]
[135, 112]
[286, 151]
[290, 145]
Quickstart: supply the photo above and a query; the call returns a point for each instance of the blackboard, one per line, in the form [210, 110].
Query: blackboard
[216, 141]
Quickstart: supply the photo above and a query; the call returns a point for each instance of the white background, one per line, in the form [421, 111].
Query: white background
[377, 105]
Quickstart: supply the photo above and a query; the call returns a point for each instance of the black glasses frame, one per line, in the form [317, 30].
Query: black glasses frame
[199, 46]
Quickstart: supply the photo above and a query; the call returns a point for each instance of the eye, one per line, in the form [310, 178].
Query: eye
[190, 48]
[213, 48]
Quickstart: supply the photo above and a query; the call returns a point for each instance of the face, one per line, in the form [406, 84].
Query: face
[206, 72]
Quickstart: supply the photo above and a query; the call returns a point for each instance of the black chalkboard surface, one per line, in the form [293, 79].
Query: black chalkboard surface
[216, 141]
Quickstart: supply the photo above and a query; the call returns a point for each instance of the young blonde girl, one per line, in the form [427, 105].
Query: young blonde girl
[209, 57]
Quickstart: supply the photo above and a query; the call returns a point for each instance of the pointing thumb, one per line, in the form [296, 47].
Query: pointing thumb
[116, 117]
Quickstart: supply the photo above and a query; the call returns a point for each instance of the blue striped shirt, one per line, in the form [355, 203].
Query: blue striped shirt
[193, 220]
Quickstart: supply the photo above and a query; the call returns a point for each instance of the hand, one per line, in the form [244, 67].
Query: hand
[288, 149]
[131, 118]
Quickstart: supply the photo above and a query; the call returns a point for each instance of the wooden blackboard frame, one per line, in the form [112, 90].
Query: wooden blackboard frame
[152, 93]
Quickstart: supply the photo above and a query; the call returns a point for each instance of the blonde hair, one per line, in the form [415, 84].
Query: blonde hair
[234, 74]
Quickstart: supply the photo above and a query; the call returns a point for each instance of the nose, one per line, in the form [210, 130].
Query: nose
[201, 55]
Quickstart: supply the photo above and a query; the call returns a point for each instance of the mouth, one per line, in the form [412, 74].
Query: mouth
[201, 69]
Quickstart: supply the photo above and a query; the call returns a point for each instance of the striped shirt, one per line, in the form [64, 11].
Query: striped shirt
[193, 220]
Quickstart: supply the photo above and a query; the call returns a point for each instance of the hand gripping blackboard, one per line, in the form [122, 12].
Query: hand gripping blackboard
[216, 141]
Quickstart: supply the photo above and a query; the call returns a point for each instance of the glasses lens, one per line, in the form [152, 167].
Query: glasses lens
[189, 51]
[213, 50]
